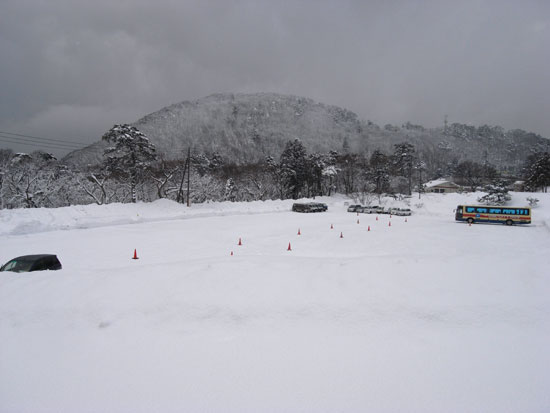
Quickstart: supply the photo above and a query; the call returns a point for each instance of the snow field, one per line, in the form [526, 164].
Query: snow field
[425, 315]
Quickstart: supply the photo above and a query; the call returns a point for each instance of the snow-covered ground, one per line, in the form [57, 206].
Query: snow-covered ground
[426, 315]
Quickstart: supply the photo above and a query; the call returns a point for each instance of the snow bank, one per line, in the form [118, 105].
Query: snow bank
[29, 221]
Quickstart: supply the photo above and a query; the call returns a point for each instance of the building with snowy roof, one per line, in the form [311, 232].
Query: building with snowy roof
[440, 186]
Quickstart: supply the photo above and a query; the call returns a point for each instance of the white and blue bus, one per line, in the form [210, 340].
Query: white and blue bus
[493, 214]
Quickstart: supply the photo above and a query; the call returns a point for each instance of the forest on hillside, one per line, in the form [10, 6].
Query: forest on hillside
[131, 169]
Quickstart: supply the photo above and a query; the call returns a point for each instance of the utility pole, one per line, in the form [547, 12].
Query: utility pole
[180, 190]
[188, 175]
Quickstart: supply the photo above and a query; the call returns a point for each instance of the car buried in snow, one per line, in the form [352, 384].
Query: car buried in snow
[28, 263]
[309, 207]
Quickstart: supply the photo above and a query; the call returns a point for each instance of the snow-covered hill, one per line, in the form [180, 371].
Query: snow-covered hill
[248, 127]
[423, 315]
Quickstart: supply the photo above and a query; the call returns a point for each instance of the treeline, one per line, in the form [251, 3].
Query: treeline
[132, 170]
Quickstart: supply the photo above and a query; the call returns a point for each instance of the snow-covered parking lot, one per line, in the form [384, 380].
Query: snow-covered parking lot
[426, 315]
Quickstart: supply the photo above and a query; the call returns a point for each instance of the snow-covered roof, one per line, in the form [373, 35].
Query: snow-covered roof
[437, 182]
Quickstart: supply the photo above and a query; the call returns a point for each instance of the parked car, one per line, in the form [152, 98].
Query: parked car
[400, 211]
[309, 207]
[372, 209]
[353, 208]
[27, 263]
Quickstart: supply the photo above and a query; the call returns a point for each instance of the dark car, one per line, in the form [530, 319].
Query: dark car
[27, 263]
[309, 207]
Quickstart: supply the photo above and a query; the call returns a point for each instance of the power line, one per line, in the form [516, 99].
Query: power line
[41, 138]
[12, 139]
[9, 139]
[42, 142]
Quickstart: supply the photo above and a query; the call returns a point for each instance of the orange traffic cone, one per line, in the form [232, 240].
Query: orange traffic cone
[135, 257]
[240, 243]
[341, 235]
[289, 249]
[299, 233]
[231, 253]
[377, 217]
[368, 229]
[331, 227]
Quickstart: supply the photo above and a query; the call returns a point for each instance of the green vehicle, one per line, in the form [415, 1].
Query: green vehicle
[309, 207]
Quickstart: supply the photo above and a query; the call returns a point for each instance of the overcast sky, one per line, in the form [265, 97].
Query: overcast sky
[70, 69]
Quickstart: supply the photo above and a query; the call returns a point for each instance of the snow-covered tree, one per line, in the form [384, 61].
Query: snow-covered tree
[497, 194]
[293, 168]
[6, 156]
[420, 167]
[131, 156]
[30, 181]
[378, 172]
[404, 158]
[230, 190]
[315, 165]
[351, 167]
[537, 172]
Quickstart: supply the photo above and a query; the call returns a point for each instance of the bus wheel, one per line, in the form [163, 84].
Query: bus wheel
[470, 220]
[509, 222]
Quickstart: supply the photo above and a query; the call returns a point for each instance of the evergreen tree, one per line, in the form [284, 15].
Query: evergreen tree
[497, 194]
[379, 172]
[537, 172]
[130, 157]
[404, 157]
[293, 168]
[351, 165]
[420, 167]
[314, 174]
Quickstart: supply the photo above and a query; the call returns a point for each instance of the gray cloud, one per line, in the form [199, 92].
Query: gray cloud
[71, 69]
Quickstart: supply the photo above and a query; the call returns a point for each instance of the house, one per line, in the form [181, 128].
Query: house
[440, 186]
[518, 186]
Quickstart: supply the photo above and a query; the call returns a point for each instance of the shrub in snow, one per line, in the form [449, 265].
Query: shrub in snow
[533, 202]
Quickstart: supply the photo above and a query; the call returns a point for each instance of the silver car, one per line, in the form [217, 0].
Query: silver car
[400, 211]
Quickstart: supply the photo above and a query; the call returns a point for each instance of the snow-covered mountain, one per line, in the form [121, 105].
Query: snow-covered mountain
[249, 127]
